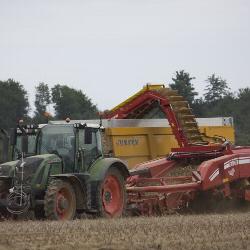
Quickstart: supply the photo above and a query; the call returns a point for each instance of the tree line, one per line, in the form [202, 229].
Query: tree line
[218, 100]
[66, 101]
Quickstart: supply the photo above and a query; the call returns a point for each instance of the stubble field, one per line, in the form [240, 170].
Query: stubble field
[208, 231]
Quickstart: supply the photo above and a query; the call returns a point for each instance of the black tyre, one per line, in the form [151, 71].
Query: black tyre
[60, 201]
[111, 195]
[39, 212]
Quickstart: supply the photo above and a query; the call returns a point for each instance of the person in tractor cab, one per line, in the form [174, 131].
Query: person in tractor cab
[55, 143]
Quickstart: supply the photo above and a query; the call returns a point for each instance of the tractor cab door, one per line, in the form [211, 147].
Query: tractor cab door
[89, 146]
[4, 146]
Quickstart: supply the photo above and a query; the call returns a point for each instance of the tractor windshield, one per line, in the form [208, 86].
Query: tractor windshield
[58, 139]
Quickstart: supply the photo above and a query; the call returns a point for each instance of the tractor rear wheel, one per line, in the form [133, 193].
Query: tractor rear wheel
[60, 201]
[111, 195]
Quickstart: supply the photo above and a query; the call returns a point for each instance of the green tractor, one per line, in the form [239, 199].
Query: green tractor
[67, 175]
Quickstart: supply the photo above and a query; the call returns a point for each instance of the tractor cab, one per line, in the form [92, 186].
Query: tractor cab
[78, 145]
[19, 141]
[23, 140]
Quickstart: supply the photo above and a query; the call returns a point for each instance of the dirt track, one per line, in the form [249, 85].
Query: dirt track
[228, 231]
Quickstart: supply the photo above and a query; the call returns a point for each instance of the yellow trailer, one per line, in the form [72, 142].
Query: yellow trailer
[137, 141]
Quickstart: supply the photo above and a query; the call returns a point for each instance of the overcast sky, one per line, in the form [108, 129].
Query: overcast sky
[110, 48]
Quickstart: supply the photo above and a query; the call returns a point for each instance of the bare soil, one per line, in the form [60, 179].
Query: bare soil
[207, 231]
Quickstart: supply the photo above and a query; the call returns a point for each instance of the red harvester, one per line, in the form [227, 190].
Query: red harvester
[220, 167]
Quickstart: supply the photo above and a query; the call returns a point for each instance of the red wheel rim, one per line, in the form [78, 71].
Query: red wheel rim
[112, 196]
[63, 204]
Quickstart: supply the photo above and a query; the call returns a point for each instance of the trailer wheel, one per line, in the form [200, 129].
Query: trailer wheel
[60, 201]
[112, 195]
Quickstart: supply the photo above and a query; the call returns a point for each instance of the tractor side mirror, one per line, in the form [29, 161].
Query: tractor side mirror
[24, 144]
[12, 136]
[81, 158]
[88, 135]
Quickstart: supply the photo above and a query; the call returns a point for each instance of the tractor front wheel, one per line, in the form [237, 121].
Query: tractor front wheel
[111, 195]
[60, 201]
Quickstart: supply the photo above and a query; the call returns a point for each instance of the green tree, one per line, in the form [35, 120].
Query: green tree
[42, 100]
[242, 116]
[14, 103]
[72, 103]
[199, 107]
[182, 83]
[234, 105]
[216, 89]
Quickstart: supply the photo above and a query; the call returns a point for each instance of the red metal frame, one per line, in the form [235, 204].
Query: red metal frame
[148, 188]
[156, 191]
[146, 98]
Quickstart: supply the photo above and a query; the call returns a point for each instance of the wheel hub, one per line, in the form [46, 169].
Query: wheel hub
[112, 197]
[63, 203]
[108, 196]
